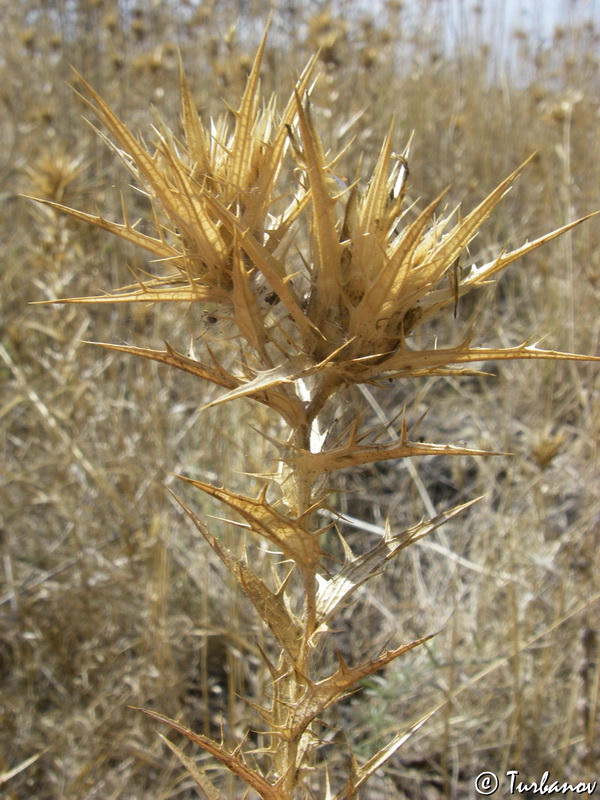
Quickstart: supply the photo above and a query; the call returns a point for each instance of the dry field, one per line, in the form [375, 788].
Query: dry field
[109, 597]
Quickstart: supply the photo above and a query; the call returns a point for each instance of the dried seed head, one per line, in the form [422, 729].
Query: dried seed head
[337, 275]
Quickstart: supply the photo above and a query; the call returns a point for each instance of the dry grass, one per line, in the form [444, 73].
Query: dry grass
[109, 597]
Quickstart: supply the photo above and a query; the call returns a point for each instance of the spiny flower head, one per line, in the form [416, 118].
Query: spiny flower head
[330, 283]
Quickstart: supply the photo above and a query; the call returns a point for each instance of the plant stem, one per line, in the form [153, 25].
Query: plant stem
[293, 671]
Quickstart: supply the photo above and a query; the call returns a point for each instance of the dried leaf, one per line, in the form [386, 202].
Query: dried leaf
[233, 761]
[199, 775]
[185, 293]
[288, 407]
[245, 123]
[335, 591]
[287, 533]
[455, 242]
[328, 250]
[407, 363]
[478, 276]
[271, 166]
[272, 269]
[157, 247]
[136, 154]
[319, 696]
[248, 316]
[352, 454]
[195, 135]
[264, 380]
[360, 775]
[284, 625]
[376, 200]
[368, 233]
[172, 358]
[389, 284]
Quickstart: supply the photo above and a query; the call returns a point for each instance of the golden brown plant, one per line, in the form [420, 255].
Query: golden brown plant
[327, 286]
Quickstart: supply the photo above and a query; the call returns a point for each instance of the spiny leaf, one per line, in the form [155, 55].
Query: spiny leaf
[244, 136]
[268, 265]
[174, 359]
[195, 136]
[479, 276]
[319, 696]
[455, 242]
[387, 293]
[136, 152]
[352, 454]
[360, 775]
[124, 231]
[288, 407]
[248, 316]
[358, 569]
[407, 363]
[367, 227]
[232, 761]
[172, 291]
[296, 368]
[396, 271]
[328, 248]
[284, 625]
[199, 775]
[376, 200]
[287, 533]
[264, 380]
[273, 162]
[183, 204]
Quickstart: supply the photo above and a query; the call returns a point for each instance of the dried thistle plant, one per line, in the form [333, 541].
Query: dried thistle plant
[325, 291]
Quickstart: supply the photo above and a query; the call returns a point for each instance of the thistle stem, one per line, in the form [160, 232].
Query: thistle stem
[295, 670]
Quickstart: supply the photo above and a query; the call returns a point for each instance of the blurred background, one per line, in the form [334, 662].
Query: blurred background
[107, 597]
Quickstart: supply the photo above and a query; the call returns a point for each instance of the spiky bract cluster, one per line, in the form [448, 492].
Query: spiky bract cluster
[344, 308]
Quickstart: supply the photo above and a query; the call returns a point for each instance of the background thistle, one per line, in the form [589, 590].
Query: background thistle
[321, 297]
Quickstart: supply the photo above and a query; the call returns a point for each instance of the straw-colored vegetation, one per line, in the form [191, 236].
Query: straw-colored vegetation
[330, 322]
